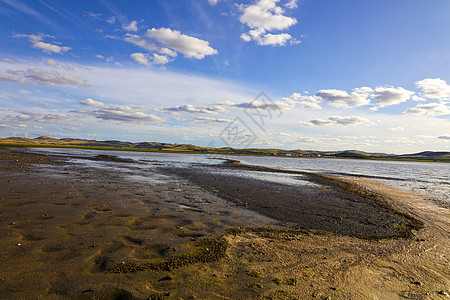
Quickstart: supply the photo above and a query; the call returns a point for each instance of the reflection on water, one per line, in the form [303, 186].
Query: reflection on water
[432, 179]
[290, 179]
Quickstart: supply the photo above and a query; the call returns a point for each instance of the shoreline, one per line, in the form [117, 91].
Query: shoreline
[64, 225]
[105, 148]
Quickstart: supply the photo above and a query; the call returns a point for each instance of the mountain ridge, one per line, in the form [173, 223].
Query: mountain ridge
[46, 141]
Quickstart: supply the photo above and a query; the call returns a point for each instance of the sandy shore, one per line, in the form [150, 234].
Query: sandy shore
[69, 231]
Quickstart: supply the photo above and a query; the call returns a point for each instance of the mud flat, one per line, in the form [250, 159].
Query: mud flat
[70, 231]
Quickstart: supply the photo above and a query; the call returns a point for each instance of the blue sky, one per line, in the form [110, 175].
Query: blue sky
[335, 75]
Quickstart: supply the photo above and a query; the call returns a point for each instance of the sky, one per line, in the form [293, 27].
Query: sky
[306, 74]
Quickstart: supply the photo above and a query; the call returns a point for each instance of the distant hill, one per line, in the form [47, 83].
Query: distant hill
[46, 141]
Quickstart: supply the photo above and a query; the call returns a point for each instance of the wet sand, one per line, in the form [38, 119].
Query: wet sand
[70, 231]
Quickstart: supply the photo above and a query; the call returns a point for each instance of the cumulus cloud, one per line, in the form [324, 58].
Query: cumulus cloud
[140, 42]
[305, 101]
[339, 98]
[337, 120]
[265, 17]
[382, 96]
[127, 114]
[434, 88]
[36, 40]
[148, 60]
[385, 96]
[429, 109]
[224, 107]
[187, 45]
[130, 27]
[141, 58]
[417, 98]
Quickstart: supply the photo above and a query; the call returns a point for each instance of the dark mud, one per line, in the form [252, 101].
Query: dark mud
[330, 205]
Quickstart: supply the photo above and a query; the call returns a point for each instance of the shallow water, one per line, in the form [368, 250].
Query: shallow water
[430, 179]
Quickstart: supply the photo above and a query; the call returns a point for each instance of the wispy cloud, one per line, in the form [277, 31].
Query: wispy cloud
[337, 120]
[42, 77]
[36, 40]
[40, 117]
[130, 114]
[20, 6]
[211, 121]
[430, 109]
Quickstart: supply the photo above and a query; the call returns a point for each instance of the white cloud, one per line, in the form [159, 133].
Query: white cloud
[33, 116]
[127, 114]
[140, 42]
[305, 101]
[42, 77]
[167, 51]
[213, 2]
[434, 88]
[385, 96]
[50, 48]
[430, 109]
[417, 98]
[53, 78]
[36, 40]
[187, 45]
[339, 98]
[111, 20]
[51, 62]
[264, 17]
[141, 58]
[10, 78]
[213, 121]
[148, 60]
[337, 120]
[160, 59]
[188, 108]
[291, 4]
[274, 39]
[130, 27]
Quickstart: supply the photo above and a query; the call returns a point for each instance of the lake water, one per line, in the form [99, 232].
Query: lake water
[430, 179]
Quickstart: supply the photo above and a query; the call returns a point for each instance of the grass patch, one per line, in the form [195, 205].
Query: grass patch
[253, 274]
[208, 250]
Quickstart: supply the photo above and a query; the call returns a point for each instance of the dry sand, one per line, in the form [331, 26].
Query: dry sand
[69, 231]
